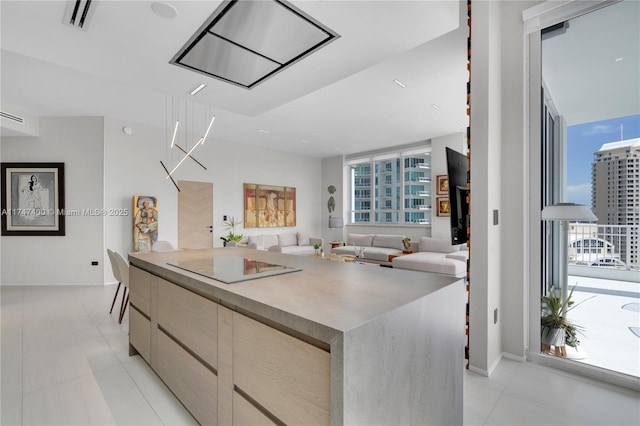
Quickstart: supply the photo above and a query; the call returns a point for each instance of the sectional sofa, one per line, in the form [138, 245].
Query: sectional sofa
[374, 248]
[427, 255]
[286, 242]
[436, 255]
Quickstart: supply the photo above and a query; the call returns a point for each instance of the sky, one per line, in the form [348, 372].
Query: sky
[583, 140]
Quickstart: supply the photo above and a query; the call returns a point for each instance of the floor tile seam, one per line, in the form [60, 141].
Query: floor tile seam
[71, 379]
[97, 327]
[143, 393]
[586, 380]
[568, 420]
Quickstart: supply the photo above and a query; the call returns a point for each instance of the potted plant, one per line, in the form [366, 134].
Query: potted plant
[556, 329]
[231, 224]
[317, 248]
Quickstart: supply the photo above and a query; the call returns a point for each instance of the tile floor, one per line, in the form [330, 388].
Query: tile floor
[65, 361]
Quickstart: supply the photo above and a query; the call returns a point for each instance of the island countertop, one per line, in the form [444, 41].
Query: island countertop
[323, 300]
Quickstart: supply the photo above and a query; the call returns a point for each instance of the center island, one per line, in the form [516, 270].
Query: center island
[299, 340]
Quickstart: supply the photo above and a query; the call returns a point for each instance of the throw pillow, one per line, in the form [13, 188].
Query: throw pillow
[288, 239]
[437, 245]
[303, 239]
[388, 241]
[255, 239]
[363, 240]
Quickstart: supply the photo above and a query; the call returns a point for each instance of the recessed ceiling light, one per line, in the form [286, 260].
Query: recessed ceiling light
[198, 88]
[436, 107]
[164, 10]
[264, 131]
[127, 130]
[619, 59]
[399, 83]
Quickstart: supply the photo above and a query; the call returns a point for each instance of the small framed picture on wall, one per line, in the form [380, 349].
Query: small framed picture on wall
[33, 199]
[443, 206]
[442, 185]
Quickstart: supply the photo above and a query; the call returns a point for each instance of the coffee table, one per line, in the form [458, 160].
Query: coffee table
[332, 256]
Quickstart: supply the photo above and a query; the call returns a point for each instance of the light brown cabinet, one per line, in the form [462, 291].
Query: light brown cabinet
[266, 374]
[333, 343]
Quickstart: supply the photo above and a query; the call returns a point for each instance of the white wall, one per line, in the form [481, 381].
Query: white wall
[133, 168]
[486, 122]
[514, 183]
[498, 181]
[333, 173]
[77, 142]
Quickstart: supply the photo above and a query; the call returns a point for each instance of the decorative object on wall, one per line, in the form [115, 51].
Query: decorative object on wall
[145, 222]
[442, 185]
[443, 206]
[336, 223]
[250, 206]
[267, 206]
[178, 114]
[331, 204]
[33, 199]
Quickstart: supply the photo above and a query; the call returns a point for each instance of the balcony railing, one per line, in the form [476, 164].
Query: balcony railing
[615, 246]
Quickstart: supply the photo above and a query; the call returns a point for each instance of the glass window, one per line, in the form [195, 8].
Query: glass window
[399, 189]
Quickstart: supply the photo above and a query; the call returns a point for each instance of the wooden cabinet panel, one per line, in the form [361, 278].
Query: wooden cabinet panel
[288, 377]
[193, 383]
[140, 333]
[140, 289]
[246, 414]
[190, 319]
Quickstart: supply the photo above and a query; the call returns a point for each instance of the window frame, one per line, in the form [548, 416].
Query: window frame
[377, 212]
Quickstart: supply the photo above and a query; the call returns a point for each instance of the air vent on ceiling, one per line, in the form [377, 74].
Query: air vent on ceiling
[78, 13]
[12, 117]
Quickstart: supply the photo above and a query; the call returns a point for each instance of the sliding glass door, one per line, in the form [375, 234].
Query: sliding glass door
[585, 142]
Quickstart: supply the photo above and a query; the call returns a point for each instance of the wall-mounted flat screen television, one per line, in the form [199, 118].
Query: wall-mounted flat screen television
[458, 172]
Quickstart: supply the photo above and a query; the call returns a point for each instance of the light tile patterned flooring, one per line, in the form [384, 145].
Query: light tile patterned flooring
[65, 361]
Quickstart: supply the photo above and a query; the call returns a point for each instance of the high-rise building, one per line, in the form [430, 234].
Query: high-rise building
[615, 192]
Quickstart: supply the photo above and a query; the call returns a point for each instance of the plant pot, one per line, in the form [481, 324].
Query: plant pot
[552, 336]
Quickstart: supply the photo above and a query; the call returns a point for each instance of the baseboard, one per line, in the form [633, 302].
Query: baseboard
[513, 357]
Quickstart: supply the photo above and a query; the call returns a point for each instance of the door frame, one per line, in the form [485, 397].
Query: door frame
[535, 19]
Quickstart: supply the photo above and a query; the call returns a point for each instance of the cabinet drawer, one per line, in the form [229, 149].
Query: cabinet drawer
[140, 333]
[194, 384]
[244, 413]
[140, 289]
[190, 319]
[288, 377]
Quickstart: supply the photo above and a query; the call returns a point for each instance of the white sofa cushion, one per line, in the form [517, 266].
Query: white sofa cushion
[297, 250]
[288, 239]
[379, 254]
[388, 241]
[462, 255]
[258, 240]
[303, 239]
[363, 240]
[269, 241]
[436, 245]
[431, 262]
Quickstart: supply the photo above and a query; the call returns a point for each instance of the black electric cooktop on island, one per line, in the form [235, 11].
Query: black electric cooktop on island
[232, 269]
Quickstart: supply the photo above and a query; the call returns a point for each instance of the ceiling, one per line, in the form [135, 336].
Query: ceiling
[592, 67]
[339, 100]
